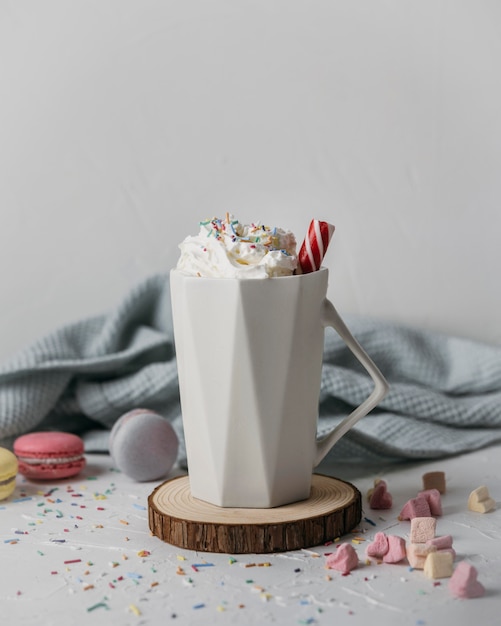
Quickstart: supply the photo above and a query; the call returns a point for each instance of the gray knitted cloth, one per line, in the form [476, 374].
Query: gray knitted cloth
[445, 392]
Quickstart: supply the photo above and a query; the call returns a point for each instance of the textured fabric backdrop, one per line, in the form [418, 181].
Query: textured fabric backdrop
[445, 392]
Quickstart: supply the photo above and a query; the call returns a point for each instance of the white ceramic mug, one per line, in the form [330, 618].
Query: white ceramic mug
[249, 356]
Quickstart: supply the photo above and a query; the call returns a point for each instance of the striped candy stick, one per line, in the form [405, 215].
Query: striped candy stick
[314, 247]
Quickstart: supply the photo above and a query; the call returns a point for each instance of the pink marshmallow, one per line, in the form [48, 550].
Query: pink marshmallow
[415, 507]
[422, 529]
[343, 559]
[463, 582]
[396, 550]
[379, 547]
[434, 500]
[441, 543]
[380, 497]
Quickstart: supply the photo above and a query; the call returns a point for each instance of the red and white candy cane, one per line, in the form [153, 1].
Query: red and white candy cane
[314, 246]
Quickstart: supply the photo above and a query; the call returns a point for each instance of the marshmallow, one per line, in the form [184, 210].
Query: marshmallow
[379, 547]
[371, 490]
[450, 551]
[438, 564]
[434, 500]
[422, 529]
[434, 480]
[396, 550]
[379, 497]
[415, 507]
[480, 500]
[464, 583]
[417, 553]
[443, 542]
[343, 559]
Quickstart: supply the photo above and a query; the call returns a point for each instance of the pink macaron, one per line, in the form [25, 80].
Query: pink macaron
[49, 455]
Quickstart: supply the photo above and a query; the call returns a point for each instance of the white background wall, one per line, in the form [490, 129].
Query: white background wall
[124, 122]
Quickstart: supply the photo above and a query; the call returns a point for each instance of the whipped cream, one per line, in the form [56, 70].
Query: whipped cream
[225, 248]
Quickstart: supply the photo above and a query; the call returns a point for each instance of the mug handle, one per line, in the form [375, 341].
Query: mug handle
[330, 317]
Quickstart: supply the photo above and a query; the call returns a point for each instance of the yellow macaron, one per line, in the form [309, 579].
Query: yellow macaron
[8, 472]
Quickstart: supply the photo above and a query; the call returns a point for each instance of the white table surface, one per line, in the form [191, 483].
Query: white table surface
[72, 551]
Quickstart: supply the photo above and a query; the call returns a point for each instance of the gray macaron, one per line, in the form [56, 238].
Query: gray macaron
[143, 445]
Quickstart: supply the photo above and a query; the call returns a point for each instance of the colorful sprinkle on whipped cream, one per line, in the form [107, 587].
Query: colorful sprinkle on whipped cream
[225, 248]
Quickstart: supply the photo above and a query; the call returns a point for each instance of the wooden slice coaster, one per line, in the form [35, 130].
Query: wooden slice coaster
[333, 509]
